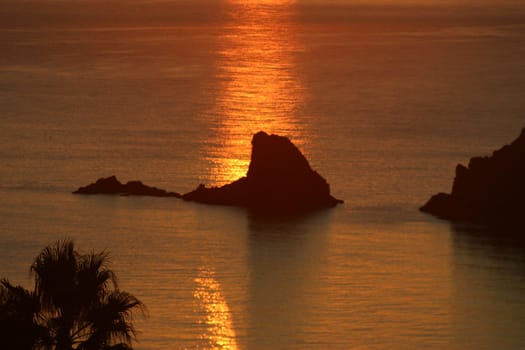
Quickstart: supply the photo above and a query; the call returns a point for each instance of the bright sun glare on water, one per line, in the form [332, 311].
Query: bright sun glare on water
[208, 294]
[260, 90]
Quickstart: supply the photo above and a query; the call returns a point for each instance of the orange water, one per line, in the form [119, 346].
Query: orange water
[383, 101]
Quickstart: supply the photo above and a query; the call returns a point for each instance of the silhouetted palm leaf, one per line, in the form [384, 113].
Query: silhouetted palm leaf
[19, 312]
[75, 304]
[55, 269]
[110, 320]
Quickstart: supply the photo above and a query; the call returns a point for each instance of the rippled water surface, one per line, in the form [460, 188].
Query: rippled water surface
[383, 102]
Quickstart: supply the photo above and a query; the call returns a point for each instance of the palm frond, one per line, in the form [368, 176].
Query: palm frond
[17, 299]
[93, 277]
[54, 270]
[112, 318]
[19, 315]
[76, 303]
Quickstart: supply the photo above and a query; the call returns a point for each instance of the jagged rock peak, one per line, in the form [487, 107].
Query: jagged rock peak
[490, 190]
[274, 155]
[279, 178]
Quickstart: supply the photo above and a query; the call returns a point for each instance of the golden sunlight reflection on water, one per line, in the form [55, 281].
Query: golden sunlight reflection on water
[208, 294]
[258, 87]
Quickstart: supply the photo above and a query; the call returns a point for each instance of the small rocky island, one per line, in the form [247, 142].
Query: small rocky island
[111, 185]
[490, 190]
[279, 178]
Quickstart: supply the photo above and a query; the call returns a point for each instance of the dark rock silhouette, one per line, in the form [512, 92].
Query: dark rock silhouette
[110, 185]
[490, 190]
[279, 178]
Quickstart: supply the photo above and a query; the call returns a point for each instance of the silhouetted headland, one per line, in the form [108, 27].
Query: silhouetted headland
[110, 185]
[279, 178]
[490, 190]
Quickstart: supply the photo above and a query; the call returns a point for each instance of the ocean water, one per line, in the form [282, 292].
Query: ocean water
[383, 100]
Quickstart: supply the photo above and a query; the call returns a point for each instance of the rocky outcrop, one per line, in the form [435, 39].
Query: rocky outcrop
[490, 190]
[279, 178]
[110, 185]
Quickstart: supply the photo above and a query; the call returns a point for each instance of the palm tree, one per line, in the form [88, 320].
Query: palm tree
[76, 303]
[19, 310]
